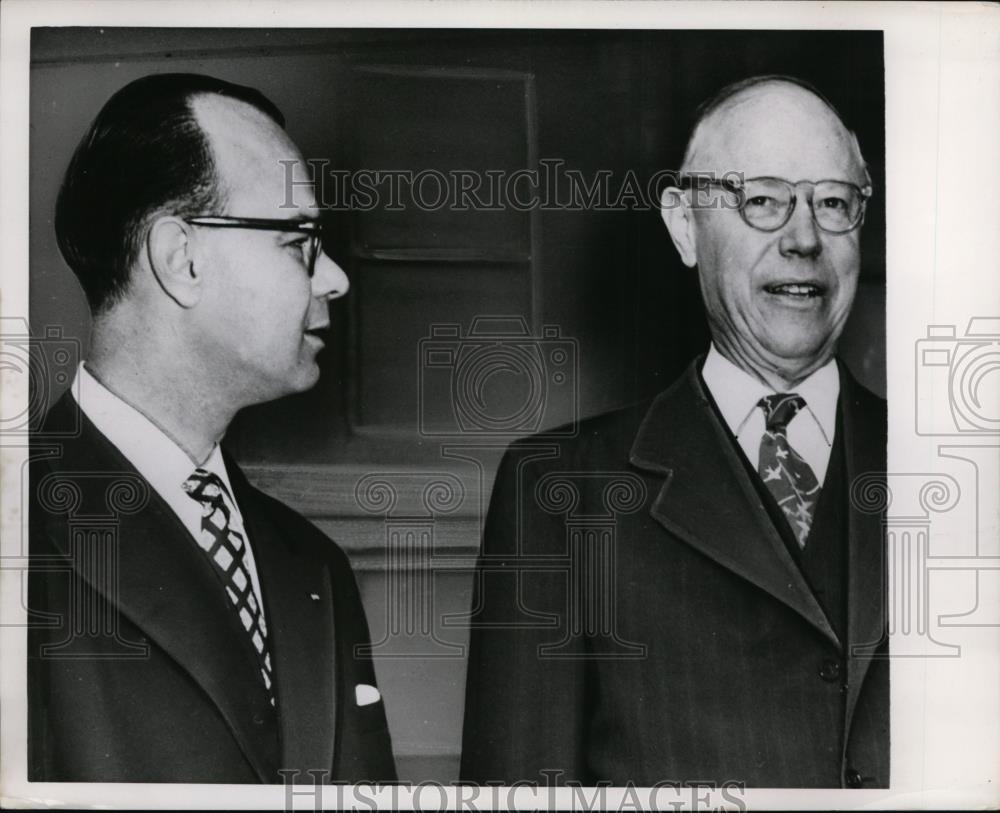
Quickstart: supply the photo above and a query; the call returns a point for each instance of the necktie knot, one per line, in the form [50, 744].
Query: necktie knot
[780, 408]
[203, 485]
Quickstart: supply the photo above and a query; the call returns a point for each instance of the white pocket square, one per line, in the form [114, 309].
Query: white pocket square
[365, 695]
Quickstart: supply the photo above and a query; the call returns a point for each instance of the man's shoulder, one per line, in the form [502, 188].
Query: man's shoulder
[72, 463]
[614, 430]
[606, 441]
[598, 441]
[861, 401]
[64, 426]
[296, 530]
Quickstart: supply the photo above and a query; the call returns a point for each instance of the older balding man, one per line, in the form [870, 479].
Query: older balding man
[734, 629]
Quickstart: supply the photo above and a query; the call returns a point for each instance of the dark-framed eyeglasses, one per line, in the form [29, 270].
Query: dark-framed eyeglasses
[767, 203]
[312, 228]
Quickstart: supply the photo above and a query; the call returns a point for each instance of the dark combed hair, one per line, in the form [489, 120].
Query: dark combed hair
[144, 153]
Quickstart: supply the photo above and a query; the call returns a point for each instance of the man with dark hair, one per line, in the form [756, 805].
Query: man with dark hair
[144, 152]
[732, 628]
[189, 628]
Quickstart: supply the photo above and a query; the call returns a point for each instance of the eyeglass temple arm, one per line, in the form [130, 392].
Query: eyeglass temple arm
[261, 224]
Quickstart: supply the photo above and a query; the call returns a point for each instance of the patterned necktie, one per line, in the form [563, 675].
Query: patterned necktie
[786, 475]
[225, 546]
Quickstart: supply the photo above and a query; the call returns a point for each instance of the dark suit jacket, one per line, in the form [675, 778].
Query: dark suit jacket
[139, 671]
[691, 648]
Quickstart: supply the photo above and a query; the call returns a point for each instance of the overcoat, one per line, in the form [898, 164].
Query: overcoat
[138, 668]
[639, 618]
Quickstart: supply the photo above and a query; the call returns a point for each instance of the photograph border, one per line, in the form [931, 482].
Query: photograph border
[941, 61]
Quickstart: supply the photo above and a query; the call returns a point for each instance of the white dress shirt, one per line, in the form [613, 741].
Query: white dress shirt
[163, 463]
[810, 432]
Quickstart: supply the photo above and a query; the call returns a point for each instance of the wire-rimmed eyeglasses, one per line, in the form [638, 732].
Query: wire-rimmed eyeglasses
[767, 203]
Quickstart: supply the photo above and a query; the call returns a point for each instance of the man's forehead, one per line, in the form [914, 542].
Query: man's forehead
[776, 129]
[256, 162]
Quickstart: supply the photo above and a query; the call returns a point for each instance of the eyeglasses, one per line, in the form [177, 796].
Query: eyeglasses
[312, 228]
[767, 203]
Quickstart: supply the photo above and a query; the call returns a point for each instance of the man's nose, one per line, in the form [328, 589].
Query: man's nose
[801, 237]
[329, 280]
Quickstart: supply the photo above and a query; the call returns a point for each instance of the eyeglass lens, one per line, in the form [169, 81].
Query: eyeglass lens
[315, 246]
[836, 206]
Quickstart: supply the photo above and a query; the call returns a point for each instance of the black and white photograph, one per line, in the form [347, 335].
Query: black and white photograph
[500, 410]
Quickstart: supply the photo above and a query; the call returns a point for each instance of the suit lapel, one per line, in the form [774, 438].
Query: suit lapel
[865, 453]
[708, 501]
[298, 602]
[167, 589]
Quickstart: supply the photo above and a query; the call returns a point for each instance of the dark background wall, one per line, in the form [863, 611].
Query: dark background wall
[609, 283]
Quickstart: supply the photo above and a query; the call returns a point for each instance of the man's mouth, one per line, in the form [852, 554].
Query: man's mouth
[319, 332]
[798, 290]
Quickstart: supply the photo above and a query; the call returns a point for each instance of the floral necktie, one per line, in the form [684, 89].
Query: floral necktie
[786, 475]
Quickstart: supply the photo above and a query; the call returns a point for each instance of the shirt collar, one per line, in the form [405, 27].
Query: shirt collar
[163, 463]
[736, 392]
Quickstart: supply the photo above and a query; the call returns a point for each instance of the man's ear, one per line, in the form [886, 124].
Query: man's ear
[170, 251]
[678, 217]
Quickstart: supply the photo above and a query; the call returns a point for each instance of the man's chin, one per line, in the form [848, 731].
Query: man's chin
[796, 362]
[308, 377]
[302, 379]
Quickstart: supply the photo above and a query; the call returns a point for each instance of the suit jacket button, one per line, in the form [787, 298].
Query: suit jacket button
[852, 778]
[257, 719]
[829, 670]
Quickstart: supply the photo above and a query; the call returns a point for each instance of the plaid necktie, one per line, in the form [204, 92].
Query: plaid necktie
[225, 547]
[786, 475]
